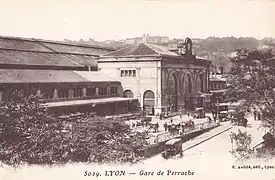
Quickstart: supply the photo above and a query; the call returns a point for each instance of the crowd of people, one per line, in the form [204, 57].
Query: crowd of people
[173, 127]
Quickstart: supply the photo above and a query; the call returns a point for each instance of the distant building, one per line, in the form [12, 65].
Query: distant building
[217, 87]
[150, 39]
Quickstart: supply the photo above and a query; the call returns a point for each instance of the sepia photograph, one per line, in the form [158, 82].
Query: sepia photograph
[137, 89]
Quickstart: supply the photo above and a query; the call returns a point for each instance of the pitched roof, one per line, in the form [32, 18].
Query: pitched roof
[95, 76]
[41, 76]
[50, 46]
[41, 52]
[50, 76]
[44, 58]
[140, 50]
[69, 48]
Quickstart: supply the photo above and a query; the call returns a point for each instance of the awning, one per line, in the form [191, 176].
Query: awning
[218, 91]
[88, 101]
[222, 104]
[199, 94]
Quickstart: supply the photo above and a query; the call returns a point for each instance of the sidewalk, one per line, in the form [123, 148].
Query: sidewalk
[206, 136]
[252, 129]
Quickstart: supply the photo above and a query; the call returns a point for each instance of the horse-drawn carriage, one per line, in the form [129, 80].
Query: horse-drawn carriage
[238, 118]
[198, 113]
[154, 126]
[223, 116]
[180, 127]
[145, 121]
[172, 148]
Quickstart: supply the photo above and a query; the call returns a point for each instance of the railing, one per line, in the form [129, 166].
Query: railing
[198, 127]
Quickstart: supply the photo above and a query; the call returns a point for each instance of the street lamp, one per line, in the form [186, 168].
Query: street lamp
[231, 138]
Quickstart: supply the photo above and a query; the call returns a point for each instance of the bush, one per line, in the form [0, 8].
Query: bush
[242, 141]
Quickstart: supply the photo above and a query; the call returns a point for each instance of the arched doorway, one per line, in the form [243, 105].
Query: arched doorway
[128, 94]
[188, 84]
[200, 83]
[200, 89]
[173, 93]
[188, 90]
[149, 102]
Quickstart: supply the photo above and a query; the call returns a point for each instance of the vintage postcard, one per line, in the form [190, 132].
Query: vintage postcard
[137, 89]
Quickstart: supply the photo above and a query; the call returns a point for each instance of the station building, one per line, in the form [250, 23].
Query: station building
[163, 80]
[65, 73]
[75, 78]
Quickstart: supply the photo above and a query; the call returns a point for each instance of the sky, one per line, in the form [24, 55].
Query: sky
[120, 19]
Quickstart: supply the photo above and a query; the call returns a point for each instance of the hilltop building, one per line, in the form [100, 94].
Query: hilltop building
[150, 39]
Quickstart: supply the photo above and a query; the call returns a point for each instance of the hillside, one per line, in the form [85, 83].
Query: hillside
[218, 50]
[202, 46]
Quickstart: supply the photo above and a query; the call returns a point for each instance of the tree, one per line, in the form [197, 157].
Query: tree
[243, 142]
[252, 79]
[27, 131]
[29, 134]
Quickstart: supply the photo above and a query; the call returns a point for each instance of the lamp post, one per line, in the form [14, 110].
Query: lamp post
[231, 139]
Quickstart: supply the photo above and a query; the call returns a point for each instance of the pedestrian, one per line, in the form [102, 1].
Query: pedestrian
[180, 116]
[165, 126]
[255, 115]
[259, 116]
[245, 122]
[157, 127]
[188, 116]
[171, 120]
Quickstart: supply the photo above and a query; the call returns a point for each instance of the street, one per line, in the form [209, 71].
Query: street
[210, 159]
[214, 156]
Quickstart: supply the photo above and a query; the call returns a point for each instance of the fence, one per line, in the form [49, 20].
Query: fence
[198, 127]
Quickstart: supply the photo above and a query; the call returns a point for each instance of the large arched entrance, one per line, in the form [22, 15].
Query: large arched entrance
[149, 102]
[128, 94]
[173, 93]
[188, 90]
[200, 89]
[200, 83]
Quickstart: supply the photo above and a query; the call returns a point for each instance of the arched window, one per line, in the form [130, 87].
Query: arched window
[128, 94]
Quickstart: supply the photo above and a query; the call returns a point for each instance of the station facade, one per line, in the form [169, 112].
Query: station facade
[163, 80]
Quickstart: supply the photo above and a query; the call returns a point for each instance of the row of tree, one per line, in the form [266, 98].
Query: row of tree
[29, 134]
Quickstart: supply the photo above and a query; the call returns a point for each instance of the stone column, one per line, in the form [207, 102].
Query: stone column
[138, 75]
[84, 92]
[55, 94]
[1, 96]
[96, 91]
[118, 72]
[158, 91]
[108, 90]
[71, 93]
